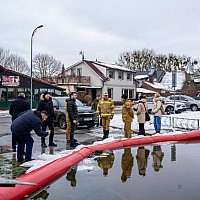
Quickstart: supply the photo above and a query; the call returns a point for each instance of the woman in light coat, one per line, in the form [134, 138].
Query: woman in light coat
[156, 111]
[142, 108]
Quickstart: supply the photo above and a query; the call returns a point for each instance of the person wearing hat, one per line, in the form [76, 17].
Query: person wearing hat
[127, 115]
[105, 109]
[46, 104]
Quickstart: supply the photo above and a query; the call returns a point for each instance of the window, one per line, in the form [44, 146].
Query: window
[110, 93]
[73, 72]
[79, 72]
[129, 93]
[129, 77]
[120, 75]
[111, 74]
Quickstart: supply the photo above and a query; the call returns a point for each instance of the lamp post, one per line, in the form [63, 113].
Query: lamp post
[32, 65]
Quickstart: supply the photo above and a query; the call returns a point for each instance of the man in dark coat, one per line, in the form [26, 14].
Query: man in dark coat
[18, 106]
[46, 104]
[94, 106]
[21, 128]
[71, 117]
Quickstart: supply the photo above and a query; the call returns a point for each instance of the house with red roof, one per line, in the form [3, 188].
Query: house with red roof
[94, 77]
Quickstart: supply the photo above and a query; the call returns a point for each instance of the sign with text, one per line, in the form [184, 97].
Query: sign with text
[10, 81]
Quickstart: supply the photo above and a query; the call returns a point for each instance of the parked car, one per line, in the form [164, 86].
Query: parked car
[86, 116]
[190, 102]
[168, 105]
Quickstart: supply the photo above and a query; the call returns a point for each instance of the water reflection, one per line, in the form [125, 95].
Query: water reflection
[126, 164]
[71, 176]
[142, 155]
[157, 155]
[106, 161]
[42, 195]
[173, 153]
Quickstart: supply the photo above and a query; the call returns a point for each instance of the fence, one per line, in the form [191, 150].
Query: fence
[180, 123]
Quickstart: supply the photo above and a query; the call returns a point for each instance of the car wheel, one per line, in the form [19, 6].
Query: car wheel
[194, 108]
[62, 122]
[169, 109]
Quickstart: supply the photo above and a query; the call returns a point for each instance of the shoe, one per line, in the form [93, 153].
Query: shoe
[43, 145]
[53, 144]
[74, 145]
[21, 161]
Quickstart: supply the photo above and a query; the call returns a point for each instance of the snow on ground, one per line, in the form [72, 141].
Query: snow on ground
[116, 132]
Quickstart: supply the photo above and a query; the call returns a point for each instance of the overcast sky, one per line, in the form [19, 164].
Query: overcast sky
[103, 29]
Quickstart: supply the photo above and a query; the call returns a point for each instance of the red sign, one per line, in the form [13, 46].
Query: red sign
[10, 80]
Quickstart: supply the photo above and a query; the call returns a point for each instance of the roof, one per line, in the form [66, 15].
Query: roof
[3, 69]
[143, 90]
[158, 73]
[94, 65]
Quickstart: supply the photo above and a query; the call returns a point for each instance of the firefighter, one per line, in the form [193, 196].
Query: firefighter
[106, 161]
[127, 115]
[105, 109]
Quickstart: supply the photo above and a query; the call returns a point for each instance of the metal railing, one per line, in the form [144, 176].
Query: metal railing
[180, 123]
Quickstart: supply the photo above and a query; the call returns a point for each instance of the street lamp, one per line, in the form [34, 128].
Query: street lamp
[32, 65]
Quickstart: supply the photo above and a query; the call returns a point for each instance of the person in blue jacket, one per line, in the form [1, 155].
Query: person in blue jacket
[18, 106]
[21, 128]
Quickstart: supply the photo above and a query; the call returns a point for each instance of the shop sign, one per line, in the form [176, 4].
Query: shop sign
[10, 80]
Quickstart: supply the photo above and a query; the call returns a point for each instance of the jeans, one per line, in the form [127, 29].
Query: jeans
[44, 128]
[24, 138]
[157, 123]
[72, 129]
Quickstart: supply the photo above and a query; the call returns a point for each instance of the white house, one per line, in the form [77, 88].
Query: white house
[96, 77]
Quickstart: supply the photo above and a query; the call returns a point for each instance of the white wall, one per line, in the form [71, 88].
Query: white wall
[87, 71]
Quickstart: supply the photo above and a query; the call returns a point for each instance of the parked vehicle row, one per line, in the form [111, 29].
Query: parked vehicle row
[190, 102]
[168, 105]
[86, 116]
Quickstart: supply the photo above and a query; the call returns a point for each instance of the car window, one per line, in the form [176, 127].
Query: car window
[79, 104]
[62, 102]
[149, 99]
[54, 102]
[188, 98]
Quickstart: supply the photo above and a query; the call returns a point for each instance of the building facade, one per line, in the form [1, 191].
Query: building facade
[93, 77]
[11, 83]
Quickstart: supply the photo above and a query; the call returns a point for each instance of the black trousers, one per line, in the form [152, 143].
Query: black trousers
[141, 129]
[50, 125]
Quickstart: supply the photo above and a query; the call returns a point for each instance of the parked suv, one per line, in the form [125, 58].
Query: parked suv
[168, 105]
[190, 102]
[86, 116]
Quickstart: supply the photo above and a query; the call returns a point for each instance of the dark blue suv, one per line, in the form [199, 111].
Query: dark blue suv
[86, 116]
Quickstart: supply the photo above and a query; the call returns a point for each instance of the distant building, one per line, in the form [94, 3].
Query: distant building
[11, 83]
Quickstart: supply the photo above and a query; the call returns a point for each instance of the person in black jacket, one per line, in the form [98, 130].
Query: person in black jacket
[94, 107]
[71, 117]
[46, 104]
[18, 106]
[22, 126]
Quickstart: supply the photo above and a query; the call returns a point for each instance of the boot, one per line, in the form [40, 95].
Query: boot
[107, 133]
[104, 135]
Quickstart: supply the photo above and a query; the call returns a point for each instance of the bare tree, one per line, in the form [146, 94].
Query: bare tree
[46, 65]
[142, 60]
[13, 61]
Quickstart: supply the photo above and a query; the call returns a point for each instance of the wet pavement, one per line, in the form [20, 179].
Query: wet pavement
[59, 138]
